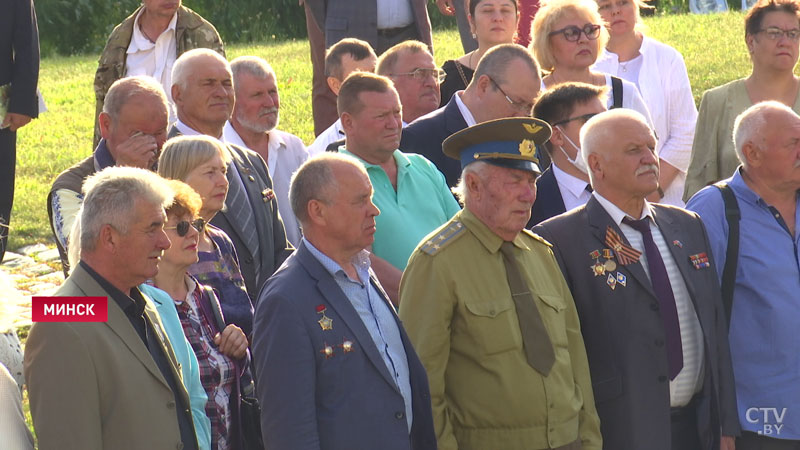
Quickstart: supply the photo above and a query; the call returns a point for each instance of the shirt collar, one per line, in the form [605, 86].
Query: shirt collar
[102, 156]
[617, 214]
[574, 185]
[231, 136]
[465, 112]
[399, 157]
[360, 261]
[485, 236]
[186, 130]
[139, 41]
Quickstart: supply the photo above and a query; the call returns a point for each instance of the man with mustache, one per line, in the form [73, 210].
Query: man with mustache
[648, 298]
[410, 192]
[253, 125]
[147, 43]
[765, 279]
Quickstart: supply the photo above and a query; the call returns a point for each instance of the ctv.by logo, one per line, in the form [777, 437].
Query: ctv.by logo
[771, 419]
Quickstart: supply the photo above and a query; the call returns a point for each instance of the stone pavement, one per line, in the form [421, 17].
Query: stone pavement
[33, 270]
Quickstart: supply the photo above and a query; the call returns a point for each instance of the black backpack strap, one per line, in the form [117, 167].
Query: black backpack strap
[616, 92]
[732, 215]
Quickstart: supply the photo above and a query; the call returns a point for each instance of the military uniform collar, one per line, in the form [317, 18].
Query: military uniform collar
[485, 236]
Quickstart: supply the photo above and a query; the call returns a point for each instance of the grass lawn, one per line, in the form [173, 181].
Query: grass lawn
[713, 47]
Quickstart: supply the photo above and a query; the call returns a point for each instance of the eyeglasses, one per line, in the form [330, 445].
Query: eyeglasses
[421, 74]
[585, 118]
[573, 33]
[523, 107]
[775, 33]
[183, 226]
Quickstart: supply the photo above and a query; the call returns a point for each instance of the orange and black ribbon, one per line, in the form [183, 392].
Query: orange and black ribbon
[625, 253]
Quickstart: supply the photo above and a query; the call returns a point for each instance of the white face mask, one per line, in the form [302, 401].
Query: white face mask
[578, 161]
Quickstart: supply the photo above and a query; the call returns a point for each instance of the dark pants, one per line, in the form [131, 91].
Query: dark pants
[387, 41]
[684, 428]
[755, 441]
[8, 158]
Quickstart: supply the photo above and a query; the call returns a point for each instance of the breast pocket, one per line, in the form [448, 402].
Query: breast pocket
[554, 319]
[494, 325]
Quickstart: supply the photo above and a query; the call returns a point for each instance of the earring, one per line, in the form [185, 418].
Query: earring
[474, 36]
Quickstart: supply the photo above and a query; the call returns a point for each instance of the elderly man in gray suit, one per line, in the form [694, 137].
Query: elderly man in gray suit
[648, 298]
[202, 88]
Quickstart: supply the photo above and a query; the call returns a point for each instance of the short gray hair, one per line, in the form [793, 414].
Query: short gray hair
[314, 180]
[597, 132]
[460, 190]
[495, 62]
[252, 65]
[110, 197]
[183, 65]
[124, 89]
[749, 125]
[182, 154]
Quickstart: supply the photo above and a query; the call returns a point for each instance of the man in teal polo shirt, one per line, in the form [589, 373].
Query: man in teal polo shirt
[409, 190]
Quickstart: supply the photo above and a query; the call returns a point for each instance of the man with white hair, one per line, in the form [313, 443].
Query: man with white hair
[488, 311]
[133, 124]
[648, 299]
[114, 384]
[757, 259]
[204, 96]
[254, 124]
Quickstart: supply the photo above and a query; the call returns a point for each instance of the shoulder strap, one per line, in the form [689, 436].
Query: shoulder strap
[616, 92]
[732, 215]
[214, 303]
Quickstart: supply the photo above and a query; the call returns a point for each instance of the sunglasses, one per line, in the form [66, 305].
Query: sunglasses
[183, 226]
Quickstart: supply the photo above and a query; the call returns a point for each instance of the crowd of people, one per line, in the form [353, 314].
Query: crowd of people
[538, 246]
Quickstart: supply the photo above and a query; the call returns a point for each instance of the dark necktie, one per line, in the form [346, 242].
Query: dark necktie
[588, 188]
[535, 340]
[666, 298]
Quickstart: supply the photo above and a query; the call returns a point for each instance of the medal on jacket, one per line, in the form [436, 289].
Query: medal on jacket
[325, 322]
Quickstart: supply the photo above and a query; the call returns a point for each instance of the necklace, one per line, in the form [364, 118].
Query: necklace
[469, 61]
[624, 65]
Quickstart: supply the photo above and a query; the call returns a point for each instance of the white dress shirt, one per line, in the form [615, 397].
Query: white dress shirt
[394, 14]
[286, 154]
[664, 84]
[333, 133]
[153, 59]
[465, 112]
[690, 379]
[573, 189]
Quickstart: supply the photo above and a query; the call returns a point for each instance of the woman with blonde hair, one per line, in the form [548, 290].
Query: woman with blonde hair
[660, 74]
[202, 163]
[567, 37]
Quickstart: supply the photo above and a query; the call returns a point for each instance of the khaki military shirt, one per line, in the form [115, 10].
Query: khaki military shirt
[456, 306]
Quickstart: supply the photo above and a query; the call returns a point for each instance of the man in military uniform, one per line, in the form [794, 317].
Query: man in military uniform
[147, 43]
[490, 315]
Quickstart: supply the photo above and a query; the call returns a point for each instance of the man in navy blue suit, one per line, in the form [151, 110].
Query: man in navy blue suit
[335, 367]
[505, 84]
[565, 184]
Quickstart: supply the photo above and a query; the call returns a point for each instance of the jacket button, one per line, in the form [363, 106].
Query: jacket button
[659, 343]
[654, 306]
[179, 446]
[399, 415]
[248, 260]
[170, 405]
[662, 378]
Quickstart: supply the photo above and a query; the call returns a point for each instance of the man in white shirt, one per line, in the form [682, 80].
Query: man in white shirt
[253, 125]
[342, 59]
[565, 183]
[147, 43]
[648, 298]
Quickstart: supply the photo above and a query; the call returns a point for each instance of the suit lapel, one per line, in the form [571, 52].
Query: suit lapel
[234, 189]
[335, 297]
[670, 230]
[454, 121]
[118, 322]
[599, 221]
